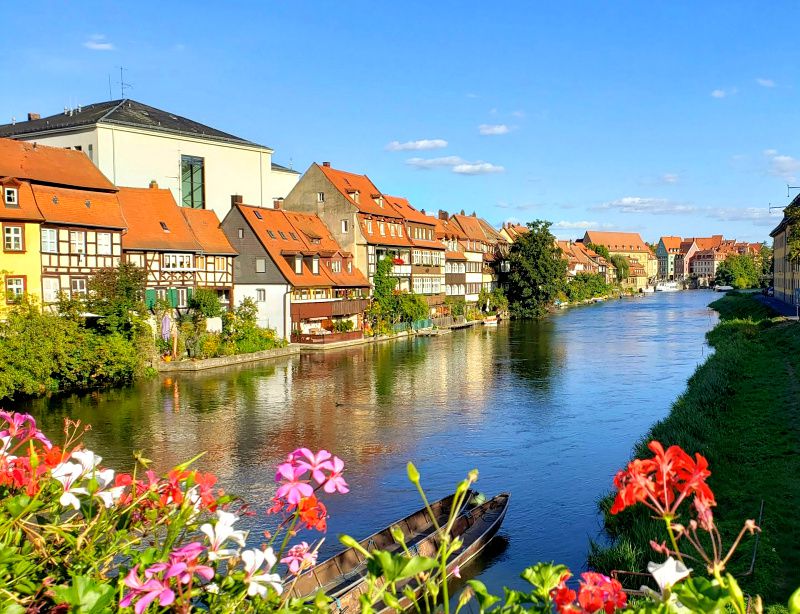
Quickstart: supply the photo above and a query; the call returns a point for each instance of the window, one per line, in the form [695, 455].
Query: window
[50, 289]
[294, 236]
[283, 236]
[50, 240]
[181, 294]
[241, 233]
[391, 229]
[164, 226]
[192, 182]
[271, 234]
[13, 238]
[15, 288]
[220, 263]
[177, 261]
[349, 267]
[90, 152]
[258, 214]
[77, 286]
[298, 264]
[382, 227]
[369, 226]
[315, 265]
[345, 226]
[320, 197]
[77, 242]
[336, 266]
[261, 295]
[104, 243]
[261, 265]
[10, 197]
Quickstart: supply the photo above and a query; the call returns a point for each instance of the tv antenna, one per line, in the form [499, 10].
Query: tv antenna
[122, 84]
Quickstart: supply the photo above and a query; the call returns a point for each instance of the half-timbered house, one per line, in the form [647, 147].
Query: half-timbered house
[214, 263]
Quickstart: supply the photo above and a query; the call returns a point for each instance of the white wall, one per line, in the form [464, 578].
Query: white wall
[275, 311]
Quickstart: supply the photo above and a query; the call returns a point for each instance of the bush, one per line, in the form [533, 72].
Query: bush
[206, 302]
[343, 326]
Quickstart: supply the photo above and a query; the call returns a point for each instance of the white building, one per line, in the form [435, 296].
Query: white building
[134, 144]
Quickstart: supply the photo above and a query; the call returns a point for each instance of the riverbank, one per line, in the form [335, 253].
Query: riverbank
[742, 411]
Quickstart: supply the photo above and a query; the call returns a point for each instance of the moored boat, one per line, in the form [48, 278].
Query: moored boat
[490, 321]
[344, 576]
[668, 286]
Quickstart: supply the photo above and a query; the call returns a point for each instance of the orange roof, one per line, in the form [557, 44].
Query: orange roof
[53, 165]
[349, 184]
[27, 209]
[470, 226]
[155, 222]
[455, 255]
[404, 208]
[78, 207]
[671, 243]
[207, 231]
[447, 229]
[707, 242]
[617, 241]
[515, 230]
[286, 233]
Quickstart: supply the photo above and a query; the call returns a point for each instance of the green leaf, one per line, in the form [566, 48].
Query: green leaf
[701, 595]
[85, 596]
[794, 602]
[393, 602]
[485, 599]
[545, 577]
[416, 565]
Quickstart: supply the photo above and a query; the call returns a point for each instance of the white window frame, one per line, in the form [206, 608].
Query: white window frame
[182, 297]
[261, 265]
[320, 197]
[315, 265]
[11, 197]
[336, 266]
[15, 289]
[104, 246]
[77, 242]
[177, 262]
[51, 287]
[261, 295]
[345, 226]
[77, 286]
[50, 240]
[298, 264]
[13, 239]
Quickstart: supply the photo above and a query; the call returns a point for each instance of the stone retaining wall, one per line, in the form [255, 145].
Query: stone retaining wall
[224, 361]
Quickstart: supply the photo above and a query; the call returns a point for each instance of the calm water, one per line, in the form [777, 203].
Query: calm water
[548, 411]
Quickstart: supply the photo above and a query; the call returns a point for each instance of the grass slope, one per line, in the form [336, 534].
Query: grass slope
[741, 410]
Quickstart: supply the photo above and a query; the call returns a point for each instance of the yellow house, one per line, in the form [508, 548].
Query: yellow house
[20, 260]
[786, 273]
[628, 244]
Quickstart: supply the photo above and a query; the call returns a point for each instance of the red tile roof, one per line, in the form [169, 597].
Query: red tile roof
[446, 229]
[707, 242]
[672, 243]
[406, 211]
[27, 209]
[52, 165]
[155, 222]
[455, 255]
[79, 207]
[206, 229]
[350, 183]
[617, 241]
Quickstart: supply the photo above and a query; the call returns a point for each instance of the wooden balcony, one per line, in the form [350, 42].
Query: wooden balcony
[328, 308]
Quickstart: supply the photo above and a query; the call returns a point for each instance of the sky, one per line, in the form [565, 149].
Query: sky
[664, 118]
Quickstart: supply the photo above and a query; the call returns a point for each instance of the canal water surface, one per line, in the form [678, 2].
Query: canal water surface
[545, 410]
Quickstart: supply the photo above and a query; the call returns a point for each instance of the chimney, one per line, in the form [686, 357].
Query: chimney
[277, 203]
[462, 212]
[443, 215]
[32, 116]
[236, 199]
[153, 184]
[474, 214]
[326, 164]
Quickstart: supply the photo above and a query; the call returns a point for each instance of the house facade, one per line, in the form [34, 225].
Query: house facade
[667, 250]
[627, 244]
[455, 258]
[304, 284]
[786, 270]
[491, 246]
[133, 143]
[215, 261]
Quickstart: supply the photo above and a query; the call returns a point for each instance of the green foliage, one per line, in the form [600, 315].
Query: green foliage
[47, 352]
[492, 302]
[538, 272]
[765, 261]
[622, 265]
[117, 294]
[587, 285]
[412, 307]
[205, 301]
[457, 305]
[600, 250]
[739, 271]
[384, 303]
[343, 326]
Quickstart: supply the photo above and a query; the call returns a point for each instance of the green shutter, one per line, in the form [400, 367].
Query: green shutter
[172, 295]
[150, 298]
[189, 292]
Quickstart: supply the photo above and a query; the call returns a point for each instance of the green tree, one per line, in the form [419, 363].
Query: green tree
[206, 302]
[600, 250]
[538, 272]
[622, 264]
[117, 295]
[766, 261]
[384, 301]
[457, 305]
[587, 285]
[739, 271]
[412, 307]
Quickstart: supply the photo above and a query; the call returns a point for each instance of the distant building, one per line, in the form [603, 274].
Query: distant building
[666, 251]
[627, 244]
[786, 271]
[483, 238]
[510, 232]
[133, 143]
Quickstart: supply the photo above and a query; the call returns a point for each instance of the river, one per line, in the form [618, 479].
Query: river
[545, 410]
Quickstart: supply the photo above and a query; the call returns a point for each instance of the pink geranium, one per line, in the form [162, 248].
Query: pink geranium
[300, 558]
[144, 593]
[293, 489]
[335, 481]
[315, 463]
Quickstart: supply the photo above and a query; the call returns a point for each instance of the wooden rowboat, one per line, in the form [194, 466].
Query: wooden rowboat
[343, 577]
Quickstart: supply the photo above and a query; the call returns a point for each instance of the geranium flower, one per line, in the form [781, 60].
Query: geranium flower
[259, 583]
[299, 558]
[144, 593]
[16, 428]
[69, 473]
[221, 532]
[668, 573]
[184, 564]
[315, 463]
[293, 488]
[335, 481]
[313, 513]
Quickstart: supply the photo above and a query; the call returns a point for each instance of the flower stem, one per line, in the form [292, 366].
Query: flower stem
[673, 541]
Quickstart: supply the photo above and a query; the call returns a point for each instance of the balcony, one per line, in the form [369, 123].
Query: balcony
[328, 308]
[401, 270]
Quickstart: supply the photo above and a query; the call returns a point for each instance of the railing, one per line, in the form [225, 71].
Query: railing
[417, 324]
[324, 339]
[402, 270]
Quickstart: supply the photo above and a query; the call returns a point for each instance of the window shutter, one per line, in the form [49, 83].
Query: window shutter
[172, 295]
[150, 298]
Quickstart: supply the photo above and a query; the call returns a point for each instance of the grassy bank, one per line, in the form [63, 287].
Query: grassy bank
[741, 410]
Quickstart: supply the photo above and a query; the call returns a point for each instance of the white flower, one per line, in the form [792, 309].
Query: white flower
[111, 496]
[668, 573]
[221, 532]
[260, 582]
[88, 459]
[212, 587]
[68, 474]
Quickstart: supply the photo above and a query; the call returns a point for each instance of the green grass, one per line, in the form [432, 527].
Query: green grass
[741, 410]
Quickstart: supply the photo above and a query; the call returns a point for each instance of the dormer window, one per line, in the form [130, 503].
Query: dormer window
[298, 264]
[315, 265]
[356, 195]
[11, 197]
[258, 214]
[164, 226]
[349, 266]
[382, 228]
[379, 201]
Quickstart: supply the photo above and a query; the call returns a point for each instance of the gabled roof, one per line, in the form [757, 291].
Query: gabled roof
[51, 165]
[707, 242]
[77, 207]
[155, 222]
[515, 230]
[26, 209]
[671, 243]
[204, 224]
[350, 183]
[471, 227]
[446, 229]
[125, 112]
[617, 241]
[406, 211]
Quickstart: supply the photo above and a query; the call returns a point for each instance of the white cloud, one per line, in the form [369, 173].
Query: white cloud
[579, 225]
[638, 204]
[457, 165]
[425, 163]
[477, 168]
[758, 216]
[670, 178]
[517, 206]
[518, 114]
[493, 129]
[98, 42]
[765, 82]
[785, 167]
[420, 145]
[722, 93]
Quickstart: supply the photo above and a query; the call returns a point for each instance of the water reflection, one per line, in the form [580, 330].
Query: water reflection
[546, 410]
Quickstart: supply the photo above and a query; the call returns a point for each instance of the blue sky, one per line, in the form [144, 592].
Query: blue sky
[656, 117]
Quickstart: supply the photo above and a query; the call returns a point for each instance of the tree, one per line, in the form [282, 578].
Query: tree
[739, 271]
[622, 264]
[206, 302]
[384, 302]
[412, 307]
[538, 272]
[766, 260]
[117, 295]
[600, 250]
